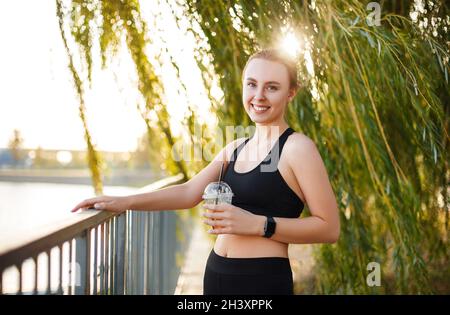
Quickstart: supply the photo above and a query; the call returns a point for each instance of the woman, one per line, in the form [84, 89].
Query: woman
[250, 255]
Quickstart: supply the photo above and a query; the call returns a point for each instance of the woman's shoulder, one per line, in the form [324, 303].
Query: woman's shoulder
[232, 146]
[299, 143]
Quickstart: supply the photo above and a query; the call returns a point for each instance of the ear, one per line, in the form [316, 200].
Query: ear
[292, 93]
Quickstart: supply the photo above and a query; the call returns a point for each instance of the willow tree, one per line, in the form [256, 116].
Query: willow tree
[375, 100]
[108, 22]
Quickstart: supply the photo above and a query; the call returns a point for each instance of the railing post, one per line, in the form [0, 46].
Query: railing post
[157, 252]
[120, 254]
[152, 269]
[112, 253]
[132, 253]
[140, 271]
[81, 264]
[162, 250]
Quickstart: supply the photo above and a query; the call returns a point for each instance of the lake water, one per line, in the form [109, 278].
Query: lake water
[26, 206]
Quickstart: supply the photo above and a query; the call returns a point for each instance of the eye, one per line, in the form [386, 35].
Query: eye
[273, 87]
[251, 84]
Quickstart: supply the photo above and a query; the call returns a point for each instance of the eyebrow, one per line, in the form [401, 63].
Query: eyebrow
[270, 82]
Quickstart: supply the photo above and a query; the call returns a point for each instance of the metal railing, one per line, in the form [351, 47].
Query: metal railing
[101, 252]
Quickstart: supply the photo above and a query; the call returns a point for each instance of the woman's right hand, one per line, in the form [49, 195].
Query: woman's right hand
[108, 203]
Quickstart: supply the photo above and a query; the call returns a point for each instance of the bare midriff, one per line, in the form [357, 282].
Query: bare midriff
[249, 246]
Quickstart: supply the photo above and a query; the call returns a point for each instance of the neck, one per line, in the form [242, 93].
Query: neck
[269, 133]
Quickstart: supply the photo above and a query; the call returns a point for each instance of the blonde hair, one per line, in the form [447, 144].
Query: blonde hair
[277, 55]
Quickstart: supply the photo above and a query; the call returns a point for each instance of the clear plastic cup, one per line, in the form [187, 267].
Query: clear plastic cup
[217, 193]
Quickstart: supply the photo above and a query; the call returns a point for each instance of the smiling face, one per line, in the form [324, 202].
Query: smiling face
[266, 91]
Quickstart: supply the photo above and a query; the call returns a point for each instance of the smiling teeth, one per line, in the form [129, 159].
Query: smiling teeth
[260, 108]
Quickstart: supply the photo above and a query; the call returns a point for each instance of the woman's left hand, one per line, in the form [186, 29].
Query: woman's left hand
[228, 219]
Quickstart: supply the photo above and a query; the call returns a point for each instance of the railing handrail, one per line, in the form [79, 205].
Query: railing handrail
[15, 251]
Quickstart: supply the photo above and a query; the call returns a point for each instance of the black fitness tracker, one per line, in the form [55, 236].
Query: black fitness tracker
[269, 226]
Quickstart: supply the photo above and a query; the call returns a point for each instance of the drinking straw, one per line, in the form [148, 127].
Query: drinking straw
[220, 179]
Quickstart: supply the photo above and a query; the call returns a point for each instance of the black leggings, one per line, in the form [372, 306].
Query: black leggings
[253, 276]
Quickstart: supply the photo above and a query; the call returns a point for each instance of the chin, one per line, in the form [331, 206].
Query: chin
[260, 120]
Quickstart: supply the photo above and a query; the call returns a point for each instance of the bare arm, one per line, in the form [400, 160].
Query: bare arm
[181, 196]
[323, 225]
[174, 197]
[168, 198]
[189, 194]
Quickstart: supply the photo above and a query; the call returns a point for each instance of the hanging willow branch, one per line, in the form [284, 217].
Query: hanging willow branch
[94, 159]
[115, 19]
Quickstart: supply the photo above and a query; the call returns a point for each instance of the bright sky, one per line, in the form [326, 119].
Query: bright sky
[36, 90]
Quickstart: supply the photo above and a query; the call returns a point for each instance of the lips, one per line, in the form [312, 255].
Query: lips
[260, 108]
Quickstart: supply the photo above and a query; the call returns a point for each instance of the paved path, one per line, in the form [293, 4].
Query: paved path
[190, 280]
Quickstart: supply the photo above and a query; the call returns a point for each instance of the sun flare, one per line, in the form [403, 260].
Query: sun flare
[291, 44]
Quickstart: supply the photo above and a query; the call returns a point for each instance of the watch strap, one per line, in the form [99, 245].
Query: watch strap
[269, 227]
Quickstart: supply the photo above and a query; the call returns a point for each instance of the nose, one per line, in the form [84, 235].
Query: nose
[259, 95]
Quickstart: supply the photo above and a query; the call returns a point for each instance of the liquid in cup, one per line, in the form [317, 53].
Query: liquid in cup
[217, 193]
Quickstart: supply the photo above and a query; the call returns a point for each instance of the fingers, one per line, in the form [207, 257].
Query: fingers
[220, 207]
[100, 205]
[213, 222]
[88, 202]
[109, 206]
[82, 204]
[213, 215]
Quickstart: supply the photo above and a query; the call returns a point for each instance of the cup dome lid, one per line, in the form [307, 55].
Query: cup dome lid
[214, 189]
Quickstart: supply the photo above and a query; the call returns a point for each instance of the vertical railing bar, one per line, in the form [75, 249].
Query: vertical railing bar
[149, 267]
[153, 264]
[146, 258]
[36, 271]
[146, 251]
[131, 259]
[125, 258]
[114, 277]
[135, 252]
[171, 254]
[102, 258]
[19, 267]
[81, 262]
[111, 257]
[169, 243]
[88, 262]
[156, 228]
[106, 258]
[129, 248]
[160, 252]
[70, 268]
[143, 252]
[95, 259]
[140, 254]
[130, 253]
[165, 244]
[49, 266]
[120, 254]
[60, 289]
[116, 222]
[132, 281]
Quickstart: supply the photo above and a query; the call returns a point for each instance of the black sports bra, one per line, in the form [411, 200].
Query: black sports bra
[263, 190]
